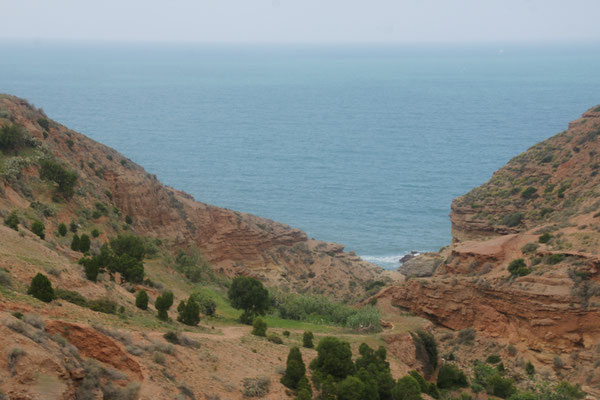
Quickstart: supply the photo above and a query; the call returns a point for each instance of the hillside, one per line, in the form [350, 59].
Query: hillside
[110, 187]
[524, 266]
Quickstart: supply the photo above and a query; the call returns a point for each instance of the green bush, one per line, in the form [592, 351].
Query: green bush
[66, 180]
[11, 137]
[248, 294]
[91, 268]
[407, 388]
[208, 306]
[450, 376]
[38, 228]
[12, 221]
[273, 338]
[193, 265]
[73, 227]
[71, 297]
[517, 267]
[286, 334]
[95, 233]
[545, 238]
[529, 368]
[43, 122]
[295, 369]
[307, 340]
[367, 319]
[466, 336]
[512, 219]
[529, 193]
[105, 306]
[128, 220]
[555, 258]
[334, 358]
[493, 359]
[530, 248]
[189, 312]
[41, 288]
[141, 300]
[84, 243]
[75, 243]
[259, 327]
[62, 229]
[162, 304]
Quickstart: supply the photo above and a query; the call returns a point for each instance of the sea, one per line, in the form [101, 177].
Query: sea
[364, 145]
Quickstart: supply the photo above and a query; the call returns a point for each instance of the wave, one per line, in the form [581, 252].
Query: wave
[387, 261]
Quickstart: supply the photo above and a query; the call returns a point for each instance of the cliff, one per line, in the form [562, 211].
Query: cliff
[543, 210]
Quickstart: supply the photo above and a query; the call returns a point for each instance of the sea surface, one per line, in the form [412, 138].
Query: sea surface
[361, 145]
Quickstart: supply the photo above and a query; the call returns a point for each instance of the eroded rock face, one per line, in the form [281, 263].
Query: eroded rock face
[553, 187]
[421, 266]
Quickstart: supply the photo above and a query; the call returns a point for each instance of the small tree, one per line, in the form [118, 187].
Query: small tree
[62, 229]
[41, 288]
[248, 294]
[91, 267]
[73, 227]
[95, 233]
[259, 327]
[307, 340]
[39, 229]
[334, 357]
[295, 369]
[407, 388]
[529, 368]
[162, 304]
[84, 243]
[12, 221]
[189, 312]
[128, 220]
[75, 243]
[141, 300]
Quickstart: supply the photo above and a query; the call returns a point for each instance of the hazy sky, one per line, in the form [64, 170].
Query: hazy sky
[302, 20]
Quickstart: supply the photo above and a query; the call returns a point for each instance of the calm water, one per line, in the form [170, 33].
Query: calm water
[365, 146]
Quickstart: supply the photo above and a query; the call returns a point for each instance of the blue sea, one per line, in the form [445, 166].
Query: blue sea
[361, 145]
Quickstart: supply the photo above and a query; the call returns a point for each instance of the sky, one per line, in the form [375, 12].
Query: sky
[302, 21]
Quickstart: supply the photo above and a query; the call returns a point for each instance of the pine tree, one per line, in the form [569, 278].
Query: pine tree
[84, 243]
[75, 243]
[189, 312]
[295, 369]
[162, 304]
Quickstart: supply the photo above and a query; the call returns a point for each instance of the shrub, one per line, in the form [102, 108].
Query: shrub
[466, 336]
[529, 368]
[248, 294]
[334, 357]
[128, 220]
[12, 221]
[366, 319]
[450, 376]
[555, 258]
[158, 358]
[193, 265]
[11, 137]
[71, 297]
[529, 193]
[162, 304]
[545, 238]
[13, 357]
[73, 227]
[493, 359]
[95, 233]
[274, 339]
[84, 243]
[256, 387]
[75, 243]
[105, 306]
[259, 327]
[62, 229]
[558, 362]
[304, 389]
[286, 334]
[5, 279]
[295, 369]
[43, 122]
[38, 228]
[407, 388]
[500, 386]
[141, 300]
[41, 288]
[529, 248]
[512, 219]
[66, 180]
[207, 305]
[517, 267]
[189, 312]
[171, 337]
[91, 268]
[307, 340]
